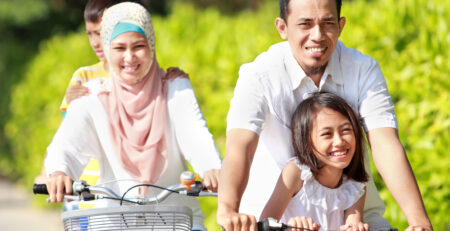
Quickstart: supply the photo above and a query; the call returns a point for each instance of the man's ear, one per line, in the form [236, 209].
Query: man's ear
[281, 26]
[341, 24]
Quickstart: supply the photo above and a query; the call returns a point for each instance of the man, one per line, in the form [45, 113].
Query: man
[269, 89]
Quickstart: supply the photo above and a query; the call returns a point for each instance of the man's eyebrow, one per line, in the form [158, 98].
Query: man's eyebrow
[304, 19]
[329, 19]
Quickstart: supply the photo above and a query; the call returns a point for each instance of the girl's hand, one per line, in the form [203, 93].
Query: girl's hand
[211, 179]
[57, 183]
[360, 226]
[303, 222]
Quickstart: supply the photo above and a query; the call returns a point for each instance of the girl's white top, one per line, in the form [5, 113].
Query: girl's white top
[84, 133]
[324, 205]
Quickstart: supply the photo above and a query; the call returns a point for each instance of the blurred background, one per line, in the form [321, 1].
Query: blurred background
[42, 42]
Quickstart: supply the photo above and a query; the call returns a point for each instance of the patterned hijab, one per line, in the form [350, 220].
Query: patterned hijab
[136, 112]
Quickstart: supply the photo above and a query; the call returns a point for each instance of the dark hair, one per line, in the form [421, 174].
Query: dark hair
[284, 9]
[93, 11]
[301, 126]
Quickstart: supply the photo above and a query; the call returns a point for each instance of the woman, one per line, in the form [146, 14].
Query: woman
[141, 126]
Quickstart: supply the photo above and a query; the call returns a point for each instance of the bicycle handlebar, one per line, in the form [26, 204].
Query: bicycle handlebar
[82, 191]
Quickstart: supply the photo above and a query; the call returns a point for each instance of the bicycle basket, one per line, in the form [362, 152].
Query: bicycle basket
[129, 217]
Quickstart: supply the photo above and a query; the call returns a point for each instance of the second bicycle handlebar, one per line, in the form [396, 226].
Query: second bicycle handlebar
[82, 191]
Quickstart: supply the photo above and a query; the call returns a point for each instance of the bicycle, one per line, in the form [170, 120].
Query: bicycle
[138, 213]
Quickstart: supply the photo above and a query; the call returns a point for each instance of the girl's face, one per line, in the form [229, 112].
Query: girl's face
[333, 138]
[130, 56]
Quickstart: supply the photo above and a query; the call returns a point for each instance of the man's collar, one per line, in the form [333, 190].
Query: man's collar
[333, 68]
[296, 73]
[294, 70]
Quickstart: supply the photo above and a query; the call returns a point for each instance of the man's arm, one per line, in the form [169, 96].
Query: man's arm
[390, 159]
[240, 150]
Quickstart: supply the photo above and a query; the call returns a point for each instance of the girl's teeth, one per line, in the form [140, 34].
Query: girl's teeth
[338, 153]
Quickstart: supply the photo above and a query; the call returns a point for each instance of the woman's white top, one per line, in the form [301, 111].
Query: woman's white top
[324, 205]
[84, 134]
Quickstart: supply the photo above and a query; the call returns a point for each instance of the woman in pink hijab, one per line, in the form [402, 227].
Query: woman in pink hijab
[140, 126]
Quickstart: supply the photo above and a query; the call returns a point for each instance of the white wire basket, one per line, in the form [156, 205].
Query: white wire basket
[129, 217]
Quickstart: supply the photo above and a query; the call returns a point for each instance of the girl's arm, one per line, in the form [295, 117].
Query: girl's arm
[289, 184]
[354, 216]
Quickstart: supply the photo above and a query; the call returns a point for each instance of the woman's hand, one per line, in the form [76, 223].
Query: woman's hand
[76, 91]
[303, 222]
[57, 184]
[41, 179]
[360, 226]
[211, 179]
[174, 72]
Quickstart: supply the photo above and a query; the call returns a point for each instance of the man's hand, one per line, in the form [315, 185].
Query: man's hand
[211, 179]
[58, 184]
[419, 228]
[233, 221]
[76, 91]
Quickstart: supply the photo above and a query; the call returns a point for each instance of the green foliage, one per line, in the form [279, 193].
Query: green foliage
[211, 49]
[16, 12]
[230, 6]
[409, 38]
[35, 101]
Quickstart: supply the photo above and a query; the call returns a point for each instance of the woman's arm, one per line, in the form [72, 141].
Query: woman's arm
[74, 143]
[192, 134]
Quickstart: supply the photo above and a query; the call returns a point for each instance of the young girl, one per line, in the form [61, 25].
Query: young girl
[322, 186]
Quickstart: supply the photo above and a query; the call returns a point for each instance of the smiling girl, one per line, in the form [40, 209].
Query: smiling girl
[322, 187]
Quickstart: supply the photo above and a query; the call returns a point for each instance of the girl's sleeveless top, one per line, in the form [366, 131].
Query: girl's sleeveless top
[324, 205]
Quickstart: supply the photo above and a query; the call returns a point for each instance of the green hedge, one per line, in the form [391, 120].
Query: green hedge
[409, 38]
[411, 41]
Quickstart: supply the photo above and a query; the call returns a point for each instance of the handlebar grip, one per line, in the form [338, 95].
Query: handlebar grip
[263, 225]
[40, 189]
[196, 188]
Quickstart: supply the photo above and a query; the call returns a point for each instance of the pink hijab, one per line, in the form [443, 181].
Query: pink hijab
[136, 112]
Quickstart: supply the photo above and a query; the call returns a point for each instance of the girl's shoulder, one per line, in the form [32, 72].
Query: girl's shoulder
[304, 172]
[291, 175]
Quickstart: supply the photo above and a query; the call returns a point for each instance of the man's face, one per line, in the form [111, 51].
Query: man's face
[312, 30]
[93, 32]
